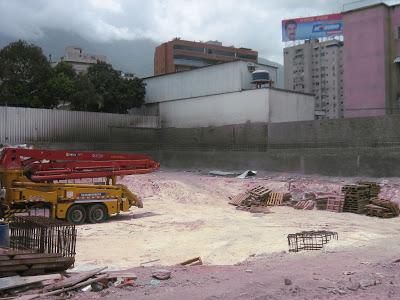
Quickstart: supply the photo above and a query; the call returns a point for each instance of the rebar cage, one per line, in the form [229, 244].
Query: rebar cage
[310, 240]
[42, 235]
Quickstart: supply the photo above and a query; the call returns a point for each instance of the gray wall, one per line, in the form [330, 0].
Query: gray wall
[30, 125]
[361, 146]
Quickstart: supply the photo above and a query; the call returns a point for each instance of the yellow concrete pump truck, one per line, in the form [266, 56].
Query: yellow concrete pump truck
[34, 179]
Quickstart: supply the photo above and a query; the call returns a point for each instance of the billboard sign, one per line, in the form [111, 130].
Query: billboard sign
[312, 27]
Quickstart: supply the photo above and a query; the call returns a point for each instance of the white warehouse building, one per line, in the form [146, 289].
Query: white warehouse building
[221, 95]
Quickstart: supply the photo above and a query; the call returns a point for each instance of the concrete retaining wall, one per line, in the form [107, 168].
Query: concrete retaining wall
[362, 146]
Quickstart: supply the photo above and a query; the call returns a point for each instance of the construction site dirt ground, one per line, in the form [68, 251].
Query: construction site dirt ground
[186, 214]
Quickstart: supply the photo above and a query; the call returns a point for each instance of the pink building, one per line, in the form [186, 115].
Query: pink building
[372, 60]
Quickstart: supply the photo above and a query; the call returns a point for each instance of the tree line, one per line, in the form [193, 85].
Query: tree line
[27, 79]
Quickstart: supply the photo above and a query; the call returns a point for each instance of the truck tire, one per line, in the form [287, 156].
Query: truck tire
[76, 214]
[97, 213]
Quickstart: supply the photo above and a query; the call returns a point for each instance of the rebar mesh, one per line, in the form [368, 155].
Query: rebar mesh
[310, 240]
[42, 235]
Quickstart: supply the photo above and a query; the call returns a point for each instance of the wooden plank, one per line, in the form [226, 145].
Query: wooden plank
[29, 262]
[17, 281]
[36, 255]
[13, 268]
[56, 265]
[62, 290]
[73, 280]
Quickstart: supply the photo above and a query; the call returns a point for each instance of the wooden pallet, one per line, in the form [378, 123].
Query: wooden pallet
[275, 198]
[259, 191]
[378, 211]
[257, 195]
[392, 206]
[16, 262]
[239, 199]
[305, 205]
[335, 204]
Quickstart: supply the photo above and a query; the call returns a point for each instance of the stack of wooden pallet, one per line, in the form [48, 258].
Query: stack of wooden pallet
[373, 188]
[17, 262]
[254, 197]
[356, 197]
[335, 203]
[382, 208]
[258, 197]
[321, 202]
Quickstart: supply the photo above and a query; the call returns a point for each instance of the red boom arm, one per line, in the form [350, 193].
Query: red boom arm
[48, 165]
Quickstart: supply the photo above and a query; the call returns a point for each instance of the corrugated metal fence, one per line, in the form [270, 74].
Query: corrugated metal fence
[29, 125]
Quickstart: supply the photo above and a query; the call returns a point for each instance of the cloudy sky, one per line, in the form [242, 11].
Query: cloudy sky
[243, 23]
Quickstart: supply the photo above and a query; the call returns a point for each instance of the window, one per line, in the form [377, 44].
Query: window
[248, 56]
[398, 32]
[221, 52]
[188, 48]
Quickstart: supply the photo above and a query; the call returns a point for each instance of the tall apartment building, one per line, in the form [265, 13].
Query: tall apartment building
[317, 67]
[372, 60]
[180, 55]
[81, 60]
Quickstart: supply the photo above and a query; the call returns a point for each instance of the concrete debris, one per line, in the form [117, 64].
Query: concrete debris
[223, 174]
[247, 173]
[287, 281]
[338, 292]
[354, 286]
[348, 273]
[241, 175]
[367, 283]
[92, 281]
[161, 274]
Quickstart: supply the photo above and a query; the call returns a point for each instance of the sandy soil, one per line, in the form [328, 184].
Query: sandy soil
[188, 215]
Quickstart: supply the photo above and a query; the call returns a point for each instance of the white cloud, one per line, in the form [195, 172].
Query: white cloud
[250, 23]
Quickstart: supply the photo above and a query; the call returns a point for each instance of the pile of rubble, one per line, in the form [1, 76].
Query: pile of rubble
[56, 284]
[97, 280]
[257, 200]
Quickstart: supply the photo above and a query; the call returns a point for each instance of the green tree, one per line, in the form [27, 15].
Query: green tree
[24, 72]
[85, 96]
[61, 86]
[117, 94]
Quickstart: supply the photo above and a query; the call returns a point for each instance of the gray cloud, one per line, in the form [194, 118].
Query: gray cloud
[254, 23]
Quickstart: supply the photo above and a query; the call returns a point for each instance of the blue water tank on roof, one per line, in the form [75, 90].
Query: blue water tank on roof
[260, 77]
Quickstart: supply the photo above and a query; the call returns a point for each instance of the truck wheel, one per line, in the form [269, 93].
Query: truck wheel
[76, 214]
[97, 213]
